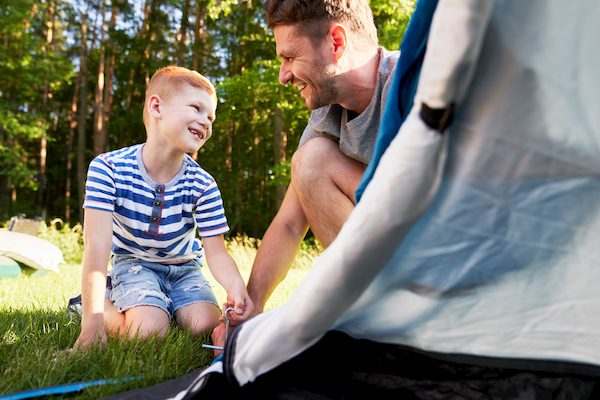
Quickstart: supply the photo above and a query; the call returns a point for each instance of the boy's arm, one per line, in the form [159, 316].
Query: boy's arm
[97, 236]
[225, 271]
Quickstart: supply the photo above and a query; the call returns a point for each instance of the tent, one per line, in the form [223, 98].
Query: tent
[470, 264]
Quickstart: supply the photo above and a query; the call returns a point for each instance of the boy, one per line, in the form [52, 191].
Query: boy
[144, 203]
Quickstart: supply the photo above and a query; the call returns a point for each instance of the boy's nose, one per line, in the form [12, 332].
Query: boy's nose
[204, 121]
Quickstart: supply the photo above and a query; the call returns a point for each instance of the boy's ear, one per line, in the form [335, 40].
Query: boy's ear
[153, 105]
[339, 40]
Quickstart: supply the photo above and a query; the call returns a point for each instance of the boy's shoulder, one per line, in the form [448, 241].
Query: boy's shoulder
[119, 156]
[196, 172]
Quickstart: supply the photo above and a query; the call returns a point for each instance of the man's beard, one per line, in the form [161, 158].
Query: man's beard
[325, 94]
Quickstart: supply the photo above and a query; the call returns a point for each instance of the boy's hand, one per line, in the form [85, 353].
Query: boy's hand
[218, 338]
[239, 299]
[89, 337]
[244, 309]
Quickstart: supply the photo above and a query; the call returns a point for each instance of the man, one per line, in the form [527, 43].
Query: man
[329, 51]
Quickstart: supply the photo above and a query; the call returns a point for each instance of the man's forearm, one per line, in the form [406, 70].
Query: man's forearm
[273, 260]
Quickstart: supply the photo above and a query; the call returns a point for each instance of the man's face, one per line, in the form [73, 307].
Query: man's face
[306, 65]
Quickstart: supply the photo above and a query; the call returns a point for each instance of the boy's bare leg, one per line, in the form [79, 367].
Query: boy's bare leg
[114, 321]
[198, 318]
[144, 321]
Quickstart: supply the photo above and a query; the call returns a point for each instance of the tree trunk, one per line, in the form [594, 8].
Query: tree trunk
[42, 178]
[110, 68]
[99, 139]
[181, 45]
[200, 34]
[69, 150]
[148, 35]
[279, 147]
[81, 161]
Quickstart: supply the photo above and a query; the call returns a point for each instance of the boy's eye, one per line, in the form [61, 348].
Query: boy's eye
[197, 108]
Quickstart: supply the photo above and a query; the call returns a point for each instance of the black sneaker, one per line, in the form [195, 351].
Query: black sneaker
[74, 306]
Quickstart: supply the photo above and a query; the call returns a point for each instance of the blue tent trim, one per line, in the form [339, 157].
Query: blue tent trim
[404, 85]
[64, 389]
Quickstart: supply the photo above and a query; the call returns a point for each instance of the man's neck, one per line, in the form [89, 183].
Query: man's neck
[161, 165]
[357, 86]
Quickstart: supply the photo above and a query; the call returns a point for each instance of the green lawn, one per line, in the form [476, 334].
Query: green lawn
[36, 334]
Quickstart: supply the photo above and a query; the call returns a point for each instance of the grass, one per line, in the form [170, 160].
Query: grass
[36, 333]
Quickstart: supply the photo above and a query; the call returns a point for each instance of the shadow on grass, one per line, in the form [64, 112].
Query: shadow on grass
[35, 353]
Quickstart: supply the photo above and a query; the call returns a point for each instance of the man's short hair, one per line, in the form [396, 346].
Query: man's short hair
[168, 80]
[315, 17]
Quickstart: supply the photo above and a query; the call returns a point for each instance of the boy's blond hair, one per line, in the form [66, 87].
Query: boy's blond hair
[166, 81]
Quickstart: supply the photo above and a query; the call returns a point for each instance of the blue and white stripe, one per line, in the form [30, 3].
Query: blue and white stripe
[150, 221]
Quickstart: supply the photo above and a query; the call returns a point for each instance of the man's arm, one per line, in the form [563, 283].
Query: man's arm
[97, 234]
[277, 250]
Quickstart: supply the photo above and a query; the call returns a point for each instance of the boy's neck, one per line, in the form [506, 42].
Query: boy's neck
[161, 166]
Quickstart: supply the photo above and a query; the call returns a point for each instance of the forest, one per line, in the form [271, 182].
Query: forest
[72, 83]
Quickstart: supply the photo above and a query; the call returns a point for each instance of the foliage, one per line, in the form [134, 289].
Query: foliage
[244, 133]
[48, 98]
[39, 340]
[281, 174]
[36, 332]
[69, 240]
[29, 70]
[391, 19]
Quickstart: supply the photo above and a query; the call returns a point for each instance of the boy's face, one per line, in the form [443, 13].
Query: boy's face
[186, 118]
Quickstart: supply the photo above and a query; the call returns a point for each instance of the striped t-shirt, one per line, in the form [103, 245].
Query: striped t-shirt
[151, 221]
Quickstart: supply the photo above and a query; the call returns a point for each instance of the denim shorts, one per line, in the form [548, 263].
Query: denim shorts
[137, 282]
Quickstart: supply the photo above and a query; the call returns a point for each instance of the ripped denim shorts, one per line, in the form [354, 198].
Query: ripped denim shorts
[137, 282]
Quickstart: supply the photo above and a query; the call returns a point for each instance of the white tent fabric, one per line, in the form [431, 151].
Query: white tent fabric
[30, 250]
[483, 240]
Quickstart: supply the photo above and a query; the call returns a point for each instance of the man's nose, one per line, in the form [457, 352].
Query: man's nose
[285, 75]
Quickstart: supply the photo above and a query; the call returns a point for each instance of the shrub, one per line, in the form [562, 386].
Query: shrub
[68, 239]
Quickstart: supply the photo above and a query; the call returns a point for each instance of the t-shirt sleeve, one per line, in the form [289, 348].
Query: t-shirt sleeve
[309, 133]
[100, 191]
[210, 214]
[323, 122]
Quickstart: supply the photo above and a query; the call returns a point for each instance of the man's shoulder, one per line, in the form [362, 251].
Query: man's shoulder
[321, 115]
[389, 60]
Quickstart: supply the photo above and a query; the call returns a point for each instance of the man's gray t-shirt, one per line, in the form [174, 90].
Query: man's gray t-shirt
[357, 136]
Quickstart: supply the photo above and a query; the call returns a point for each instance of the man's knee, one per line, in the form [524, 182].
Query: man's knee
[310, 161]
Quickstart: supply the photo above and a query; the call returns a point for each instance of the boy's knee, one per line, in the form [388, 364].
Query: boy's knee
[147, 328]
[202, 318]
[143, 322]
[202, 327]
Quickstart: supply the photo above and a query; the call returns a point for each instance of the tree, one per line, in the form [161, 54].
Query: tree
[72, 81]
